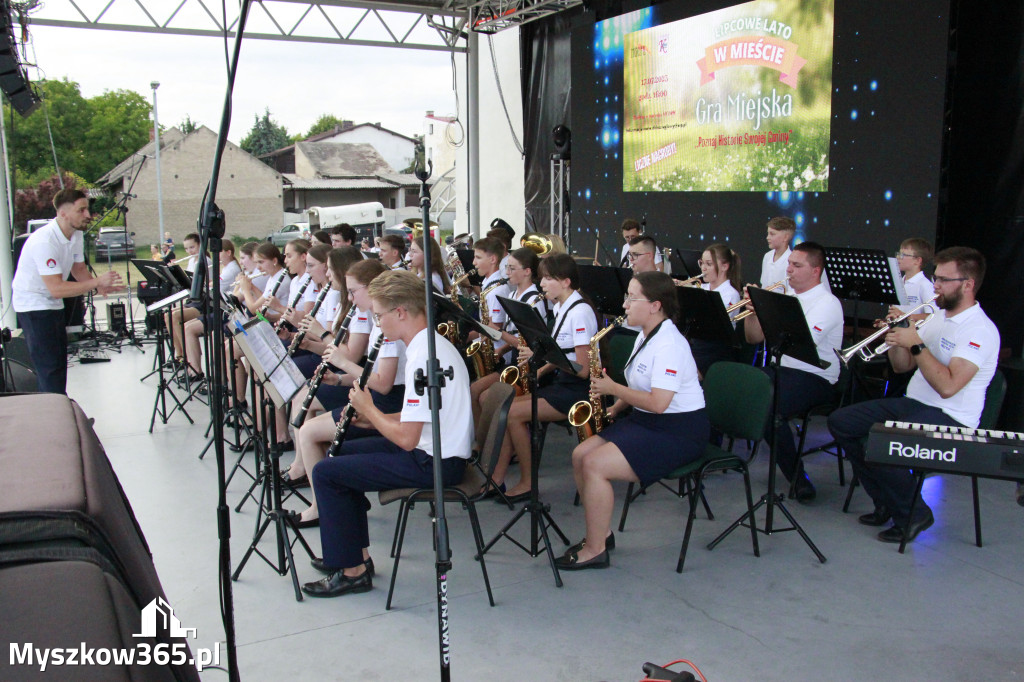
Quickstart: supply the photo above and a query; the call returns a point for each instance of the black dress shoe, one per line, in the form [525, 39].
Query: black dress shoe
[609, 544]
[804, 490]
[300, 482]
[895, 534]
[318, 564]
[337, 584]
[296, 520]
[521, 497]
[286, 446]
[875, 518]
[571, 562]
[492, 491]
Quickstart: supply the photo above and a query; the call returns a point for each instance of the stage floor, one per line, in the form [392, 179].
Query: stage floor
[944, 610]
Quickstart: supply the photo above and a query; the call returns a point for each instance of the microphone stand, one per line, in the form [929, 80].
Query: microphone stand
[433, 381]
[211, 231]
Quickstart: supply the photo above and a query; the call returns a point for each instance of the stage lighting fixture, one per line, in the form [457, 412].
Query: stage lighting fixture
[563, 142]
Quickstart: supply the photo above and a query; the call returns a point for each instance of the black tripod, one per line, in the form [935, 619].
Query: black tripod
[164, 387]
[786, 333]
[535, 334]
[271, 511]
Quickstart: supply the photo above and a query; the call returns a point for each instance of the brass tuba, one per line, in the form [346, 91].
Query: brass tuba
[538, 243]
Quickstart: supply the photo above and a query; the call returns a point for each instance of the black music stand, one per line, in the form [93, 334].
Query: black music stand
[702, 316]
[260, 345]
[536, 336]
[606, 287]
[785, 333]
[466, 258]
[685, 263]
[860, 275]
[164, 387]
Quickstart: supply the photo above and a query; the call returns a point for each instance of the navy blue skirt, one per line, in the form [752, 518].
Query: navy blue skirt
[307, 363]
[655, 444]
[388, 403]
[564, 391]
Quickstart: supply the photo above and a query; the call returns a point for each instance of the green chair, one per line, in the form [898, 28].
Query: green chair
[738, 400]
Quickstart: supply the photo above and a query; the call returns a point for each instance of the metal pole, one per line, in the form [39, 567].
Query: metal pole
[473, 151]
[6, 234]
[159, 186]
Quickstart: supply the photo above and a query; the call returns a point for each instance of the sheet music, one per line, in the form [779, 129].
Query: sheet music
[168, 301]
[897, 278]
[266, 353]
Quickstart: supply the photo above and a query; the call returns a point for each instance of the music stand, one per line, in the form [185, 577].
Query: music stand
[702, 316]
[861, 275]
[536, 336]
[606, 287]
[280, 380]
[466, 258]
[164, 387]
[785, 333]
[685, 261]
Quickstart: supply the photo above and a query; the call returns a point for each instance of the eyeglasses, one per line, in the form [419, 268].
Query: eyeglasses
[945, 280]
[353, 290]
[376, 317]
[633, 255]
[900, 255]
[629, 299]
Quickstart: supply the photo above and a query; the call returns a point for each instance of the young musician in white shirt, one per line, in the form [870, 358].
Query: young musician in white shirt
[194, 329]
[386, 384]
[438, 276]
[403, 455]
[780, 233]
[630, 231]
[574, 324]
[720, 266]
[802, 385]
[913, 256]
[392, 251]
[666, 429]
[487, 255]
[955, 355]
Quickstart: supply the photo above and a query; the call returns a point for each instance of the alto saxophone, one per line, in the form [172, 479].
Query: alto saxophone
[481, 351]
[515, 375]
[588, 416]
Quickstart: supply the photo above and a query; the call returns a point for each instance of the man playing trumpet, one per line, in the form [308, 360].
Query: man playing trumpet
[955, 356]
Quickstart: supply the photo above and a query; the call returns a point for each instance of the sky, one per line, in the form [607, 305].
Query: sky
[297, 81]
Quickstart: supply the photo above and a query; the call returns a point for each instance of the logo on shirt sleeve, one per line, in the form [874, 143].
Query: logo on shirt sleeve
[580, 330]
[361, 319]
[817, 328]
[51, 263]
[412, 402]
[974, 345]
[670, 373]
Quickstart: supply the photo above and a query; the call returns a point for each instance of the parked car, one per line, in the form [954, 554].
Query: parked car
[403, 231]
[288, 233]
[114, 242]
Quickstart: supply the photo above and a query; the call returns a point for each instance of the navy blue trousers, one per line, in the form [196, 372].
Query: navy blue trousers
[364, 465]
[889, 487]
[47, 347]
[799, 391]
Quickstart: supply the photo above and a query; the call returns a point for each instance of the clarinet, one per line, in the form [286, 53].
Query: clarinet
[350, 412]
[297, 339]
[318, 375]
[295, 302]
[273, 292]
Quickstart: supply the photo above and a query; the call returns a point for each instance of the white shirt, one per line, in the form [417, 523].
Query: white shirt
[729, 296]
[919, 289]
[282, 292]
[328, 312]
[46, 252]
[666, 362]
[494, 308]
[295, 299]
[579, 324]
[970, 335]
[437, 282]
[389, 349]
[824, 315]
[456, 409]
[258, 279]
[533, 297]
[503, 266]
[227, 276]
[624, 258]
[774, 270]
[361, 323]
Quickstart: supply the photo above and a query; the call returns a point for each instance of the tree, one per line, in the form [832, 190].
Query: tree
[37, 202]
[265, 136]
[90, 136]
[188, 126]
[325, 123]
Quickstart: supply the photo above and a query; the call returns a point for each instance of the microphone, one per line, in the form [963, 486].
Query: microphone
[129, 196]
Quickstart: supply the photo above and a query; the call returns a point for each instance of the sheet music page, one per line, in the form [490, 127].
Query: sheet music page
[266, 353]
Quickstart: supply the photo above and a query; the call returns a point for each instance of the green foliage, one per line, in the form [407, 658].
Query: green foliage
[188, 125]
[90, 135]
[325, 123]
[37, 202]
[265, 136]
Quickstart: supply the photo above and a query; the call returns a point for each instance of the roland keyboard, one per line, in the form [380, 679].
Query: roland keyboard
[976, 452]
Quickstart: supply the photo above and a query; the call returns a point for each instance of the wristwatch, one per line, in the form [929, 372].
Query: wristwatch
[916, 349]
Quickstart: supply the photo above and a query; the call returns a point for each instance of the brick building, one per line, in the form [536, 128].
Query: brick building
[248, 191]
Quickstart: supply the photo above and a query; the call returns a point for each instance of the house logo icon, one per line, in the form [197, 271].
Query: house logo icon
[159, 614]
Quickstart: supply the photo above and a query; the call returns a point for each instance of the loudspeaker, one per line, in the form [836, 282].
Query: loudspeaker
[116, 318]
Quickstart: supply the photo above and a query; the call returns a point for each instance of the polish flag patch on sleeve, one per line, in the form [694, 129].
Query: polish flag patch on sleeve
[817, 328]
[412, 402]
[580, 330]
[975, 345]
[670, 373]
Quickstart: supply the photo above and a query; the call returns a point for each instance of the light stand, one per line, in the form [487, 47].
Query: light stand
[433, 381]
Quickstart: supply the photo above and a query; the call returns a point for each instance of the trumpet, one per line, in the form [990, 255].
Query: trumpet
[690, 282]
[862, 347]
[781, 284]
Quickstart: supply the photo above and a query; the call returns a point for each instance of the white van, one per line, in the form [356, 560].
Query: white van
[367, 219]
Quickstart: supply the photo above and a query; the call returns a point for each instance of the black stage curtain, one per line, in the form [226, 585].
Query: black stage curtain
[546, 85]
[986, 156]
